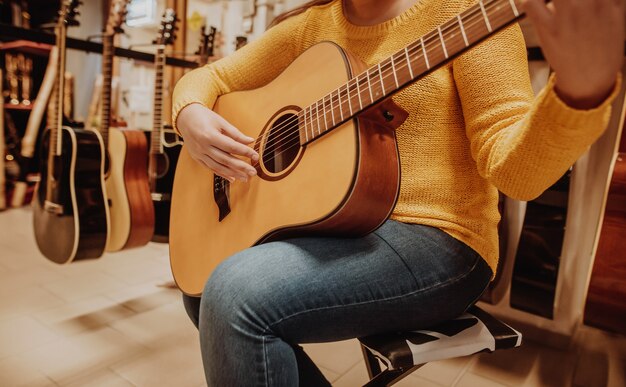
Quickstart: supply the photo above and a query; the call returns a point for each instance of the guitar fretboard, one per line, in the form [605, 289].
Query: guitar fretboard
[107, 78]
[405, 66]
[157, 121]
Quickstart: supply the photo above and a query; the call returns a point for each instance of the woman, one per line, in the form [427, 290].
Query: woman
[474, 128]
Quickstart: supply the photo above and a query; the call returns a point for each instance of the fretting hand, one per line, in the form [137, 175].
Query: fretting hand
[215, 143]
[583, 40]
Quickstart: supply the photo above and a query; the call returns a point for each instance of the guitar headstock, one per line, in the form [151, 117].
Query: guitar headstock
[167, 29]
[117, 16]
[240, 41]
[207, 44]
[69, 12]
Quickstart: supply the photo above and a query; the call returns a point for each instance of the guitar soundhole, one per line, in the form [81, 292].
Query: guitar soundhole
[282, 144]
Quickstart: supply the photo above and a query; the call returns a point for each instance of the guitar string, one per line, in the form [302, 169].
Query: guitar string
[471, 21]
[352, 83]
[281, 134]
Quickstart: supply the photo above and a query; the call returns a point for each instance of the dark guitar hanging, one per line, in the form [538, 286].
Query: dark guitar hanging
[70, 214]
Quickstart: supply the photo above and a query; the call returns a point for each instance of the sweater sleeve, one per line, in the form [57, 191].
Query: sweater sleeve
[253, 66]
[521, 144]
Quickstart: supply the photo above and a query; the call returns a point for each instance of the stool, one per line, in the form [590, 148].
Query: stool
[404, 352]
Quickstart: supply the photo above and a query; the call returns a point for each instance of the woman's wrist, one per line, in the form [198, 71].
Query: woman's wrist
[582, 99]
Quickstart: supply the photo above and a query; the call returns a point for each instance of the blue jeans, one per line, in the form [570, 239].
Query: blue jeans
[259, 304]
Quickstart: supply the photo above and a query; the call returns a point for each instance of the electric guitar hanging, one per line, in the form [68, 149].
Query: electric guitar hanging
[70, 213]
[329, 143]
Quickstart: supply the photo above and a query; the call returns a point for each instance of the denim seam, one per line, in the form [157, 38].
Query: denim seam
[433, 287]
[399, 256]
[265, 362]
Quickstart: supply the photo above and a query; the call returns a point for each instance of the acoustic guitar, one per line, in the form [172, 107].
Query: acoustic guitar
[70, 214]
[328, 162]
[128, 193]
[606, 297]
[164, 144]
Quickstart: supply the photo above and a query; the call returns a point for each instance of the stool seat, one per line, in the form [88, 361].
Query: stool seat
[474, 331]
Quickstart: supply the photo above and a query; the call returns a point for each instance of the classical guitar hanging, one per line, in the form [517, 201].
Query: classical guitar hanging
[328, 155]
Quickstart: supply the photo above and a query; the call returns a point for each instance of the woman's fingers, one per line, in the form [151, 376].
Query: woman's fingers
[241, 169]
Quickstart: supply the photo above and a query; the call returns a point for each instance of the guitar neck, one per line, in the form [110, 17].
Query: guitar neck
[404, 67]
[55, 130]
[107, 77]
[157, 128]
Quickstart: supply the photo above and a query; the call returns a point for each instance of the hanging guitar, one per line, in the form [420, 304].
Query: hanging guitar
[164, 144]
[605, 307]
[70, 214]
[329, 156]
[128, 193]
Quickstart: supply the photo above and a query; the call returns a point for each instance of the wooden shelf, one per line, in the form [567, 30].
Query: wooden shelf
[8, 32]
[26, 46]
[10, 106]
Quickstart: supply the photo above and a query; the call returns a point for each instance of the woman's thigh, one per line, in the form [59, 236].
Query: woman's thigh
[323, 289]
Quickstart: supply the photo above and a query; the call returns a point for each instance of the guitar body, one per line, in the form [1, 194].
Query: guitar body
[344, 183]
[128, 193]
[606, 298]
[80, 230]
[162, 194]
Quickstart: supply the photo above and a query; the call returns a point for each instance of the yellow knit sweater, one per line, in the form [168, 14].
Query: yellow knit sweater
[474, 126]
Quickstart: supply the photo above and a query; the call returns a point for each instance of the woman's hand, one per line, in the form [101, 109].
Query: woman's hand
[583, 40]
[215, 143]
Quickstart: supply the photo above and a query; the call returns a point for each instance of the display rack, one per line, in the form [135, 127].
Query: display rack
[9, 32]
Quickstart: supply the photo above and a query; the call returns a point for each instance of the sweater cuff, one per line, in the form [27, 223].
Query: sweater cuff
[570, 118]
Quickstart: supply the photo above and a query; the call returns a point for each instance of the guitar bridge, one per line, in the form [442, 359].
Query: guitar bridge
[221, 189]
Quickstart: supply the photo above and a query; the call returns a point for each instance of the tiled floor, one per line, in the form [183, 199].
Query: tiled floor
[112, 322]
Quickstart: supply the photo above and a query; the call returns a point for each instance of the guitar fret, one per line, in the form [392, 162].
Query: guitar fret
[424, 51]
[358, 92]
[382, 84]
[369, 85]
[443, 44]
[340, 103]
[515, 12]
[324, 113]
[482, 8]
[393, 70]
[332, 108]
[311, 123]
[349, 99]
[458, 16]
[306, 132]
[408, 61]
[317, 116]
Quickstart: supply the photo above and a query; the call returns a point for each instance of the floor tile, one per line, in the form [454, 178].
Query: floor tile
[26, 301]
[20, 334]
[413, 380]
[83, 354]
[472, 380]
[144, 297]
[84, 286]
[509, 366]
[18, 372]
[337, 356]
[176, 363]
[149, 329]
[444, 372]
[98, 378]
[355, 376]
[89, 314]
